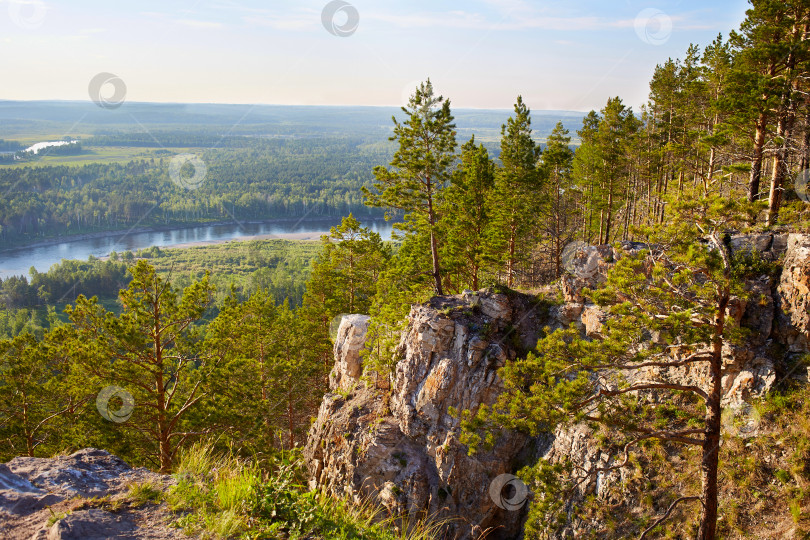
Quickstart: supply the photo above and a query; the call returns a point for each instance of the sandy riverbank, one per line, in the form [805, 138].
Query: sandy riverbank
[311, 236]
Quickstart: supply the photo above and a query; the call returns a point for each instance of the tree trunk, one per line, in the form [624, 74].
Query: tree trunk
[756, 160]
[160, 389]
[804, 162]
[609, 212]
[434, 248]
[510, 262]
[777, 180]
[291, 425]
[711, 443]
[711, 453]
[434, 252]
[784, 131]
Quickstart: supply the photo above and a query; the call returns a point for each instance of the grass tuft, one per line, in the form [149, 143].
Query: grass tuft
[220, 496]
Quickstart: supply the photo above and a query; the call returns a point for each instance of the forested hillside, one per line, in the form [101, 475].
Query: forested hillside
[256, 179]
[715, 160]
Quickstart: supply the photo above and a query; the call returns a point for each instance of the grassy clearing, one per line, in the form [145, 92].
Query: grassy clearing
[280, 266]
[220, 496]
[98, 154]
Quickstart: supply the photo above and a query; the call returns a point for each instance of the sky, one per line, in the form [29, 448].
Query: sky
[561, 55]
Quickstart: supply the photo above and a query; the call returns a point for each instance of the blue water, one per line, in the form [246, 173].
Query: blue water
[16, 262]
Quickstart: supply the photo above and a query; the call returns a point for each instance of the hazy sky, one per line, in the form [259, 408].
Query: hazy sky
[570, 54]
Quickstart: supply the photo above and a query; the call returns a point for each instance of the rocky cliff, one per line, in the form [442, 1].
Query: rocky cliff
[401, 448]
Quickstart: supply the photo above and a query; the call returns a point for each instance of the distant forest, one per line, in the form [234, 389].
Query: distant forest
[264, 179]
[277, 162]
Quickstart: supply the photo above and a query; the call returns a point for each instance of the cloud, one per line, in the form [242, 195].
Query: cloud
[199, 24]
[297, 22]
[478, 21]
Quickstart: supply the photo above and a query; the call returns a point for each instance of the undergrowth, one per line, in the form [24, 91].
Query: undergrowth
[219, 496]
[764, 480]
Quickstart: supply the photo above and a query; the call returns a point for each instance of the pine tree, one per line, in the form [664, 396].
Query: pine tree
[270, 378]
[516, 196]
[586, 161]
[678, 291]
[467, 215]
[769, 51]
[240, 409]
[36, 393]
[558, 209]
[296, 367]
[150, 350]
[420, 169]
[345, 273]
[602, 165]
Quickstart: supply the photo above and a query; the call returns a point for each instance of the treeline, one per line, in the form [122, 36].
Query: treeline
[270, 179]
[172, 139]
[731, 118]
[10, 146]
[733, 115]
[66, 280]
[72, 149]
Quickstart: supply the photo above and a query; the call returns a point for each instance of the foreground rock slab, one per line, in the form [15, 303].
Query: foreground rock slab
[75, 488]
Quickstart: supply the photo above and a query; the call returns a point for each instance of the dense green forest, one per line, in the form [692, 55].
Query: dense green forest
[719, 148]
[263, 180]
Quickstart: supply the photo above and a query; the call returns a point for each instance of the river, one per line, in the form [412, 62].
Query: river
[16, 262]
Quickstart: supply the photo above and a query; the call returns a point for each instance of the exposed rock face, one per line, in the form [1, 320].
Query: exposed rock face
[351, 337]
[401, 447]
[404, 452]
[794, 294]
[32, 490]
